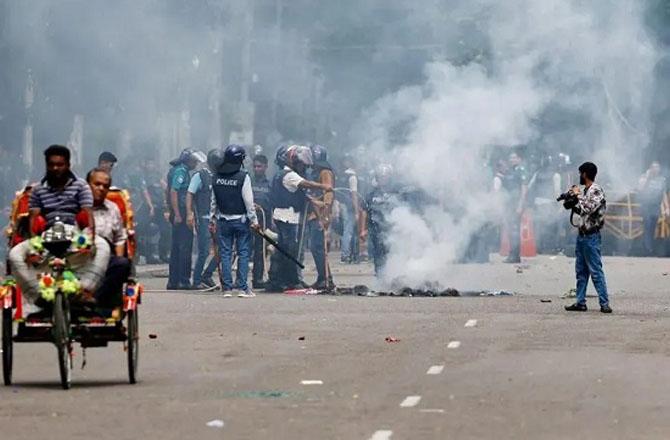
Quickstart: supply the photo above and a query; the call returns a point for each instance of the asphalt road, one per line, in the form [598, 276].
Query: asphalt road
[501, 367]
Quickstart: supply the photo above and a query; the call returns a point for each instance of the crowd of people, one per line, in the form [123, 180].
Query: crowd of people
[208, 215]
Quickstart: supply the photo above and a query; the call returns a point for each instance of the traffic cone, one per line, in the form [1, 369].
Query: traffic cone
[528, 248]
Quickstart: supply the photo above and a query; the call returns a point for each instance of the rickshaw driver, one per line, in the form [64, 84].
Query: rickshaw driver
[60, 196]
[109, 225]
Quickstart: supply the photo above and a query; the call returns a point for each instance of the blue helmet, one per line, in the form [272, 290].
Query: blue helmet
[233, 157]
[215, 159]
[184, 157]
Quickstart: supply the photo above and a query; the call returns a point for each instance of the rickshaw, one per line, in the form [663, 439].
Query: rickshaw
[68, 323]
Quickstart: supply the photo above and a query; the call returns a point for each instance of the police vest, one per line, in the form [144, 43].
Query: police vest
[283, 198]
[227, 190]
[261, 189]
[203, 197]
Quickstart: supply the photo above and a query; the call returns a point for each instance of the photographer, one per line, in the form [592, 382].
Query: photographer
[590, 207]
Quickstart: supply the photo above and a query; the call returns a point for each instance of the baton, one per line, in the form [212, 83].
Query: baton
[282, 251]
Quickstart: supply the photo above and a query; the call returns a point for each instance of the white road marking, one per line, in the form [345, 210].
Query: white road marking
[435, 369]
[382, 435]
[215, 423]
[410, 401]
[311, 382]
[432, 410]
[454, 344]
[471, 323]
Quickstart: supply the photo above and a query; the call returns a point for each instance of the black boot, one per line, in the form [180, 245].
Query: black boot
[576, 307]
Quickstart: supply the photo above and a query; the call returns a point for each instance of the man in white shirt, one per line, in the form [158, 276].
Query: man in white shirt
[289, 200]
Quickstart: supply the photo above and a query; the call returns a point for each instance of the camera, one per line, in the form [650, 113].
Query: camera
[569, 199]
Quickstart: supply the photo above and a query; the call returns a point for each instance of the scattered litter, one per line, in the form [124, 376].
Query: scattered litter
[391, 339]
[382, 435]
[215, 423]
[519, 270]
[410, 401]
[665, 274]
[432, 410]
[153, 336]
[545, 300]
[454, 344]
[471, 323]
[496, 293]
[311, 382]
[435, 369]
[301, 338]
[260, 394]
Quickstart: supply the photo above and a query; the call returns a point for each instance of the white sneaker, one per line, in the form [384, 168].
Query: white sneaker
[227, 294]
[248, 294]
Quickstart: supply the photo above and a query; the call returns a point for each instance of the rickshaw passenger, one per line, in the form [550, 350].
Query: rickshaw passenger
[109, 225]
[59, 197]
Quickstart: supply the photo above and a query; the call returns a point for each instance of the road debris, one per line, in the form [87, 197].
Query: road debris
[544, 300]
[391, 339]
[301, 338]
[311, 382]
[153, 336]
[215, 423]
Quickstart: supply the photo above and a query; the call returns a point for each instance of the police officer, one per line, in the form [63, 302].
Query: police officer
[261, 189]
[320, 217]
[379, 203]
[235, 215]
[288, 193]
[178, 180]
[515, 184]
[198, 205]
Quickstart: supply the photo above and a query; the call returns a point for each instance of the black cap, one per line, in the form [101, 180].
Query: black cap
[107, 157]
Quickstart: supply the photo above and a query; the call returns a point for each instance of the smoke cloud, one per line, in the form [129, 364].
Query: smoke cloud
[557, 75]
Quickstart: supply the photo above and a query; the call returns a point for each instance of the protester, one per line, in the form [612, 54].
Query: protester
[235, 215]
[319, 218]
[261, 189]
[379, 203]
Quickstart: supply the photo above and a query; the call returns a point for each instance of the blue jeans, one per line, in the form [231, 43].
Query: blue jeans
[589, 264]
[204, 240]
[349, 236]
[238, 233]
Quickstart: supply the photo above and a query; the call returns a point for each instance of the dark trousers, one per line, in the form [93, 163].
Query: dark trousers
[259, 255]
[317, 245]
[514, 233]
[649, 234]
[205, 263]
[380, 250]
[180, 255]
[110, 291]
[284, 272]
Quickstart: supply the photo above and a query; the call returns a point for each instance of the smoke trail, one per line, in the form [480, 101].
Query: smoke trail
[556, 74]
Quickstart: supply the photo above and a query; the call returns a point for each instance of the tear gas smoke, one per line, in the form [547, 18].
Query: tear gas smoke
[587, 61]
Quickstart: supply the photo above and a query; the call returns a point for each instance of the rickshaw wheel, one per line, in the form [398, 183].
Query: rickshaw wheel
[61, 333]
[7, 346]
[133, 345]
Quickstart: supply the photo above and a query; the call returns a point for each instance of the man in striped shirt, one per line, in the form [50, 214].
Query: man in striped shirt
[59, 197]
